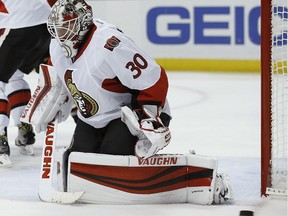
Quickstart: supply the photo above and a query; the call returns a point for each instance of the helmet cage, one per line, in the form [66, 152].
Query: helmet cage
[65, 30]
[68, 22]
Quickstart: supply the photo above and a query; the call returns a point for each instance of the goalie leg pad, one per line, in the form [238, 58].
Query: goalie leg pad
[113, 179]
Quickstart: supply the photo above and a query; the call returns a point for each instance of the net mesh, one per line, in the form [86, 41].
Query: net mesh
[279, 100]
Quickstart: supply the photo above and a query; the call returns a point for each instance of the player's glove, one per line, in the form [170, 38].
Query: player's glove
[148, 127]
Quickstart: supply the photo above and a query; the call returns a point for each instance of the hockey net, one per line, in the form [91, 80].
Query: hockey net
[274, 97]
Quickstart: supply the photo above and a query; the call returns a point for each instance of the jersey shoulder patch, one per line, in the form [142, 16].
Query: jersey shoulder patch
[112, 43]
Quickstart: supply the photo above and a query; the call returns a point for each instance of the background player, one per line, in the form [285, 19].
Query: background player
[24, 42]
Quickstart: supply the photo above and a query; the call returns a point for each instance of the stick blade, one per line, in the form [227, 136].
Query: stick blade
[60, 197]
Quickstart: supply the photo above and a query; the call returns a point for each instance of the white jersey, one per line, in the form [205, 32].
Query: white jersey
[109, 72]
[16, 14]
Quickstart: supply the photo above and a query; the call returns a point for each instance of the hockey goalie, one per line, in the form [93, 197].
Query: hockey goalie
[123, 120]
[125, 179]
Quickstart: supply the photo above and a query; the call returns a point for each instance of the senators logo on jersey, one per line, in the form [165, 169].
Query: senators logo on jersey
[86, 105]
[111, 43]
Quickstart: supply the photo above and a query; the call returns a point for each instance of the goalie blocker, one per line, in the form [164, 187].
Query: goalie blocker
[161, 179]
[49, 98]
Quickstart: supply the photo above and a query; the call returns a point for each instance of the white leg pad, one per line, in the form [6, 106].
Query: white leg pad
[112, 179]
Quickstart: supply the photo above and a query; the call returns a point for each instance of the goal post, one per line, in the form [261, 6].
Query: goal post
[265, 93]
[274, 97]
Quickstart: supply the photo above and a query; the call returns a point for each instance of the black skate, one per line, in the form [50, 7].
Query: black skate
[4, 151]
[25, 139]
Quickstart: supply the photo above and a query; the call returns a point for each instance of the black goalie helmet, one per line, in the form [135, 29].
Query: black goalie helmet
[68, 22]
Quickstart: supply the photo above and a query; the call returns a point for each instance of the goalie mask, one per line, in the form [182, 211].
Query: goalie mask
[68, 22]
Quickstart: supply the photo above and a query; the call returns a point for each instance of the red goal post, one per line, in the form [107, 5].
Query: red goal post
[274, 97]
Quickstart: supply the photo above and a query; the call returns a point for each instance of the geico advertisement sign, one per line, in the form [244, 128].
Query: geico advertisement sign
[203, 25]
[191, 29]
[204, 31]
[232, 24]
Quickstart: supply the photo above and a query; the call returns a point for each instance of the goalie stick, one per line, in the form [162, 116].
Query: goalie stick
[46, 191]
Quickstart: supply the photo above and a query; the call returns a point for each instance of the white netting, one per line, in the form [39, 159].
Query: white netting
[279, 97]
